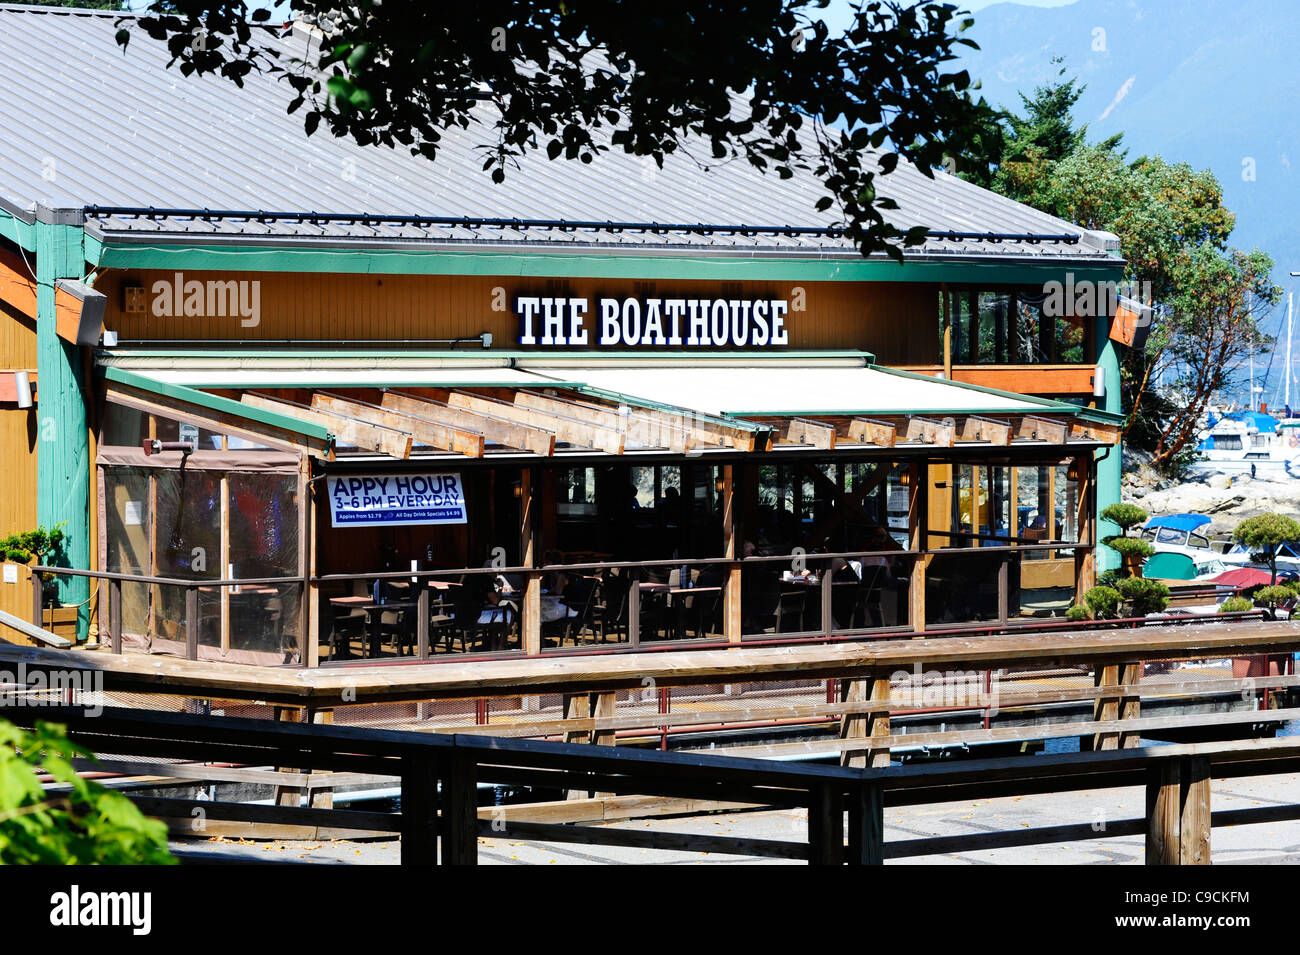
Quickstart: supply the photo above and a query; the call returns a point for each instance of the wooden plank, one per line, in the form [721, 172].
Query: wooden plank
[637, 839]
[503, 431]
[1020, 379]
[928, 431]
[433, 433]
[975, 428]
[1194, 821]
[814, 434]
[873, 431]
[1035, 428]
[37, 634]
[653, 429]
[1162, 798]
[346, 430]
[854, 725]
[866, 805]
[698, 428]
[569, 430]
[1095, 431]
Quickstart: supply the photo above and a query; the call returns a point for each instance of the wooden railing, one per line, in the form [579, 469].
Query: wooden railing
[439, 818]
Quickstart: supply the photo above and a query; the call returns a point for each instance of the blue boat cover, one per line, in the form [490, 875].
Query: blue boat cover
[1263, 422]
[1180, 522]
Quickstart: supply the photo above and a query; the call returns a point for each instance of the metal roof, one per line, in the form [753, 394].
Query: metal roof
[89, 125]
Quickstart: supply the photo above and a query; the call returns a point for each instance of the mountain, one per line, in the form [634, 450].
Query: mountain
[1214, 83]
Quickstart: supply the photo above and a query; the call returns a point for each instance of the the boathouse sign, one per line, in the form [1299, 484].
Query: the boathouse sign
[633, 322]
[378, 500]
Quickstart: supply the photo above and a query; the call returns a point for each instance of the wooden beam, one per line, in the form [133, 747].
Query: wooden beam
[1095, 431]
[654, 429]
[1052, 430]
[503, 431]
[361, 434]
[700, 429]
[220, 421]
[433, 433]
[929, 431]
[975, 428]
[873, 431]
[567, 429]
[815, 434]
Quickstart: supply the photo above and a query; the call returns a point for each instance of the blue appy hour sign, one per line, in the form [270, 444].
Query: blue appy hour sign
[378, 500]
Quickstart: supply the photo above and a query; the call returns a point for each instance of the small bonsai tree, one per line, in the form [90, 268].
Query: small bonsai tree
[1269, 597]
[1143, 596]
[1264, 534]
[1236, 605]
[1132, 550]
[1099, 603]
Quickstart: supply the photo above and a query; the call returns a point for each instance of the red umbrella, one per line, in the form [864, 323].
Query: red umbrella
[1243, 577]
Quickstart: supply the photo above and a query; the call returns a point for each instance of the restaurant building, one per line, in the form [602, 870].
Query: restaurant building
[305, 402]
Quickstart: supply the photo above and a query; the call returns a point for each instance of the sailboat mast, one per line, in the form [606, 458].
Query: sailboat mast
[1289, 303]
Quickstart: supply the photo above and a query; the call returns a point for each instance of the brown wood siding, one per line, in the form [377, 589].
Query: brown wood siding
[896, 321]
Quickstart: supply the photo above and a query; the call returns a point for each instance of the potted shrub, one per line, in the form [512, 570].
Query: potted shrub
[39, 545]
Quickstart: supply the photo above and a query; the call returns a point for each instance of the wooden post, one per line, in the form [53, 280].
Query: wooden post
[38, 601]
[601, 706]
[308, 625]
[308, 621]
[286, 795]
[1123, 705]
[1085, 561]
[1194, 824]
[1178, 812]
[947, 334]
[1162, 813]
[224, 571]
[191, 622]
[577, 706]
[422, 621]
[917, 522]
[878, 721]
[854, 725]
[825, 826]
[419, 812]
[867, 825]
[1105, 708]
[529, 532]
[115, 613]
[732, 549]
[459, 803]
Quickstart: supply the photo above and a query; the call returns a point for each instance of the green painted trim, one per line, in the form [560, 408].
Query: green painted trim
[215, 403]
[1050, 404]
[612, 264]
[504, 357]
[17, 231]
